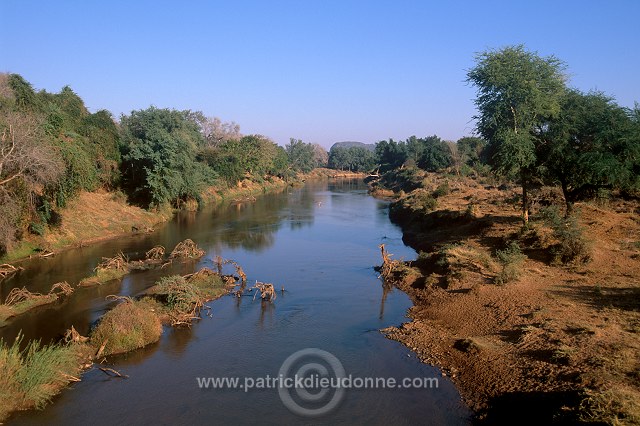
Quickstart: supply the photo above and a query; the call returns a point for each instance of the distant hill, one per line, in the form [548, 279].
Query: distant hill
[349, 144]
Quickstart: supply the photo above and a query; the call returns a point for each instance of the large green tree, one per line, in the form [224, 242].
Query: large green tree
[590, 145]
[159, 148]
[518, 92]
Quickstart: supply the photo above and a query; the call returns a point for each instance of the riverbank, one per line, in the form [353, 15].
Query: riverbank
[525, 339]
[98, 216]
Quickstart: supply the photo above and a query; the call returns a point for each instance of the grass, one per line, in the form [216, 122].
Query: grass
[130, 325]
[613, 406]
[22, 250]
[30, 377]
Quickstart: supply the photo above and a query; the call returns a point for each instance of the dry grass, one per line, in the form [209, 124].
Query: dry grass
[184, 297]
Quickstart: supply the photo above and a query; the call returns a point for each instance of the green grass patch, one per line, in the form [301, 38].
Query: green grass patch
[30, 377]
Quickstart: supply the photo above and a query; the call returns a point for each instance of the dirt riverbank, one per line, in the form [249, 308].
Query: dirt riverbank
[553, 343]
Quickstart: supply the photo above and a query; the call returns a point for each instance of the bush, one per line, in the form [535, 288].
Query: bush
[511, 259]
[442, 190]
[572, 247]
[126, 327]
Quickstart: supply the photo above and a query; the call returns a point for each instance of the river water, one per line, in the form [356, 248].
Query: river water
[319, 242]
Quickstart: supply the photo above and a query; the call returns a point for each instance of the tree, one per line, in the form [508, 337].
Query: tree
[471, 150]
[355, 158]
[159, 148]
[301, 155]
[28, 162]
[434, 155]
[518, 93]
[390, 154]
[320, 155]
[24, 152]
[215, 131]
[589, 145]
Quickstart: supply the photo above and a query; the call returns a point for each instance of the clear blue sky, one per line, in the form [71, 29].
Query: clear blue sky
[322, 71]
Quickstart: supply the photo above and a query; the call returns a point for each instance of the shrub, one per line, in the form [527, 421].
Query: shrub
[572, 247]
[442, 190]
[126, 327]
[511, 259]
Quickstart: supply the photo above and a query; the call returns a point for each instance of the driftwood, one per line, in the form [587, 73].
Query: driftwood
[62, 288]
[17, 295]
[186, 249]
[156, 253]
[101, 349]
[388, 265]
[119, 262]
[267, 291]
[112, 373]
[7, 270]
[72, 336]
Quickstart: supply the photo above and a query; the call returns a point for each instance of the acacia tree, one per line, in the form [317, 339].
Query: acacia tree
[590, 146]
[518, 93]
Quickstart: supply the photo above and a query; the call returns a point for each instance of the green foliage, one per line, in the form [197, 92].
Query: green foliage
[472, 150]
[252, 156]
[390, 154]
[159, 149]
[592, 146]
[511, 259]
[434, 155]
[280, 166]
[37, 228]
[300, 155]
[24, 95]
[80, 171]
[430, 153]
[518, 92]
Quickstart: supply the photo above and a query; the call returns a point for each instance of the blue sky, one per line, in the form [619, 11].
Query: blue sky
[321, 71]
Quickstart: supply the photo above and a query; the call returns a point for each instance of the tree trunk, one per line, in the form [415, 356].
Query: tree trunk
[567, 199]
[525, 201]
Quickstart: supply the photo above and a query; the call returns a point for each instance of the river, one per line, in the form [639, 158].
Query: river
[319, 242]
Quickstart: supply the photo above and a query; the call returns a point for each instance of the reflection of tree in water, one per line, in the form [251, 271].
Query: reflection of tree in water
[347, 185]
[301, 203]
